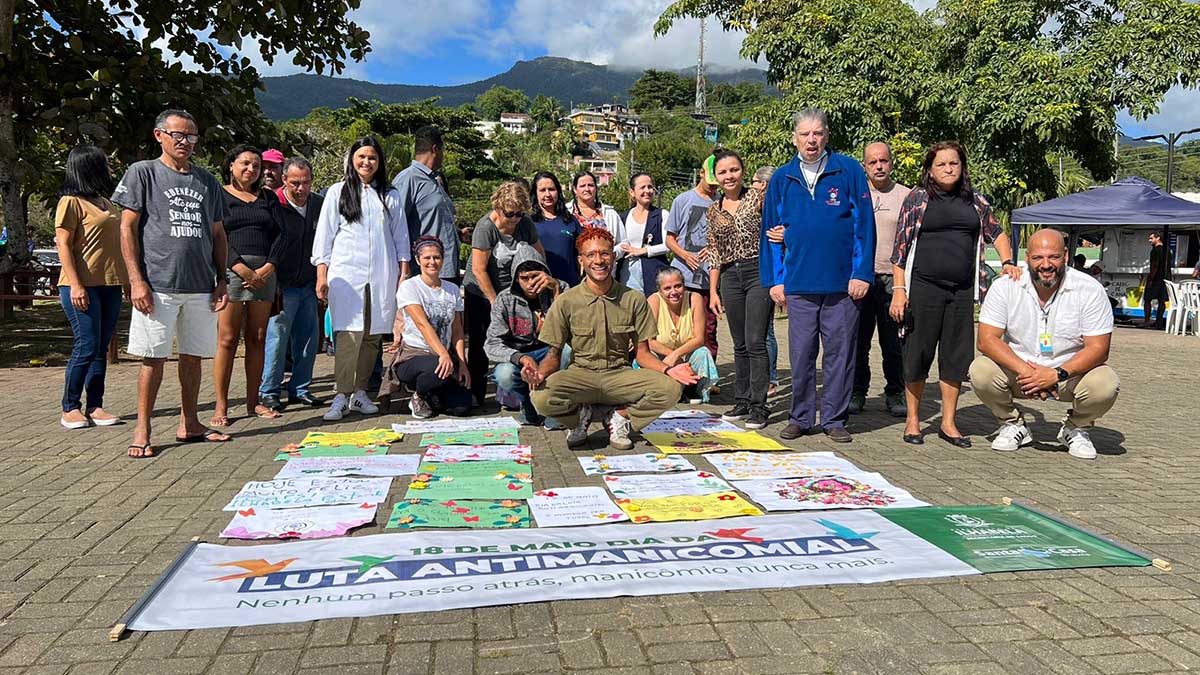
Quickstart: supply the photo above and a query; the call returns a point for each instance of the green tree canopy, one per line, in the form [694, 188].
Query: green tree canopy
[545, 111]
[661, 90]
[1014, 81]
[88, 71]
[498, 100]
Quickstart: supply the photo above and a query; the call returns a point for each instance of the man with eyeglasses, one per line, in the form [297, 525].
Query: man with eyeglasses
[601, 320]
[173, 242]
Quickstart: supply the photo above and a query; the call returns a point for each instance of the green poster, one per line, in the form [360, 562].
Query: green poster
[471, 437]
[1009, 538]
[478, 514]
[472, 480]
[303, 451]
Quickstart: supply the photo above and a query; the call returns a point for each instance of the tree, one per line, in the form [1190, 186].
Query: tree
[1014, 81]
[499, 100]
[545, 111]
[88, 71]
[661, 90]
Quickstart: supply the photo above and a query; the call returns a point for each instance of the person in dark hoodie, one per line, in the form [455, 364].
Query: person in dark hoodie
[512, 337]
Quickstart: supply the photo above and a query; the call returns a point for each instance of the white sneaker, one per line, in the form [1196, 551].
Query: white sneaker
[337, 409]
[1078, 443]
[619, 428]
[360, 403]
[419, 408]
[1012, 437]
[579, 435]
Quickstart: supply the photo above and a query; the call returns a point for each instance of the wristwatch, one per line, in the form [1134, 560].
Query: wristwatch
[1007, 263]
[1063, 375]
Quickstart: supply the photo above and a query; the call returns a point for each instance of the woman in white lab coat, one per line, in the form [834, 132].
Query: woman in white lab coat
[361, 252]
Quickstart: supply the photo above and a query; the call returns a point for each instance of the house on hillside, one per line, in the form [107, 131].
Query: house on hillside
[602, 131]
[516, 123]
[486, 128]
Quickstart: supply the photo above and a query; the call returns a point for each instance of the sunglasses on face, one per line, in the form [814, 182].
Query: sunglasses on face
[512, 214]
[180, 137]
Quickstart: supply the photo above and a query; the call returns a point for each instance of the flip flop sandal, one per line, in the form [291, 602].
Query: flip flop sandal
[205, 436]
[263, 412]
[219, 421]
[142, 450]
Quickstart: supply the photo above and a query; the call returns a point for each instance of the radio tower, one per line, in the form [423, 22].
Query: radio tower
[700, 83]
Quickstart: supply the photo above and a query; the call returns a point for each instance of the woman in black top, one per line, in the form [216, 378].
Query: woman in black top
[952, 223]
[256, 242]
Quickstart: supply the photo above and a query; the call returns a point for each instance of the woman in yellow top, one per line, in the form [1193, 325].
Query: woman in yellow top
[677, 312]
[87, 233]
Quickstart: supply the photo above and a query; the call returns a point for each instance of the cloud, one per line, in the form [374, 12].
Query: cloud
[622, 35]
[1177, 113]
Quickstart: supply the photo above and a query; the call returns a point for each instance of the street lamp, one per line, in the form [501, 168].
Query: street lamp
[1170, 138]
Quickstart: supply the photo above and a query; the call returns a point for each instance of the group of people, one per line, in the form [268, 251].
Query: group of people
[577, 312]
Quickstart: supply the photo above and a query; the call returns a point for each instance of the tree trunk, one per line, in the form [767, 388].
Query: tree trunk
[10, 174]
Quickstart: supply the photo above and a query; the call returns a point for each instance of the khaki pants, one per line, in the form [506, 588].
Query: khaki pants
[647, 394]
[355, 353]
[1091, 394]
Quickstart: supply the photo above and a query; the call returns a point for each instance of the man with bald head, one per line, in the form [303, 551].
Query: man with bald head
[1046, 336]
[886, 198]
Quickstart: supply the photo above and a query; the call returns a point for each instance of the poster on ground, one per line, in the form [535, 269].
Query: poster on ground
[714, 441]
[570, 506]
[471, 424]
[221, 586]
[470, 513]
[651, 462]
[478, 453]
[371, 465]
[296, 492]
[366, 437]
[857, 490]
[293, 451]
[1010, 538]
[688, 507]
[750, 465]
[472, 480]
[315, 522]
[699, 422]
[471, 437]
[651, 486]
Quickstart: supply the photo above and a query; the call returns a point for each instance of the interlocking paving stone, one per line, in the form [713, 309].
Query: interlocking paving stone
[84, 531]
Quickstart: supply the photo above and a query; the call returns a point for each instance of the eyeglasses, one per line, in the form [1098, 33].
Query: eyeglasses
[180, 137]
[512, 214]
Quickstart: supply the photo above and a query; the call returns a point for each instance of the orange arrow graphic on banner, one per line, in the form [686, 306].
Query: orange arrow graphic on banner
[254, 568]
[735, 533]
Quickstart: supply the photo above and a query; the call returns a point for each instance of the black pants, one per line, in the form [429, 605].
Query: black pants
[750, 310]
[943, 322]
[420, 375]
[479, 316]
[874, 310]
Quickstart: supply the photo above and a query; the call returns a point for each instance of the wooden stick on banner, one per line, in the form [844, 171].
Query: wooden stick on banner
[1160, 563]
[118, 629]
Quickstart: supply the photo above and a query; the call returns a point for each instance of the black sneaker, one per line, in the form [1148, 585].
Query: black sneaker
[307, 400]
[737, 412]
[858, 401]
[757, 419]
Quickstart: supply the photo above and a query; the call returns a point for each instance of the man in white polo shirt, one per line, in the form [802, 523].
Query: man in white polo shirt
[1046, 336]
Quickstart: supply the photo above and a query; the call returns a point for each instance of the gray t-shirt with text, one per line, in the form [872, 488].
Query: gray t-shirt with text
[177, 214]
[688, 221]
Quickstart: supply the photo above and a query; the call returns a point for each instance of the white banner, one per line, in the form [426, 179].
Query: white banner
[293, 492]
[375, 465]
[221, 586]
[850, 490]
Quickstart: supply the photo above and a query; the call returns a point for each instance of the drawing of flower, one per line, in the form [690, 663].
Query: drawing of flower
[598, 457]
[726, 498]
[418, 485]
[449, 503]
[405, 520]
[415, 501]
[423, 477]
[512, 503]
[512, 519]
[641, 519]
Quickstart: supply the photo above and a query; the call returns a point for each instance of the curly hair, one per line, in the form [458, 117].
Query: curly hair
[511, 196]
[591, 233]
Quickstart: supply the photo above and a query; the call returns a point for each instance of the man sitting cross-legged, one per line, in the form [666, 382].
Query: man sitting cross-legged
[1046, 336]
[512, 337]
[601, 320]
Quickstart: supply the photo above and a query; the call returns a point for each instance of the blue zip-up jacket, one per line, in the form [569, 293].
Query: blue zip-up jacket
[829, 237]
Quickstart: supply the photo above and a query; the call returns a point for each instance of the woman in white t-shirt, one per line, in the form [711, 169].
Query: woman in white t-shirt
[432, 360]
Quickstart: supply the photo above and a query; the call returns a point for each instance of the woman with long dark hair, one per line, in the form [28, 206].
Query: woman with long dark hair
[734, 231]
[556, 227]
[943, 278]
[256, 243]
[641, 244]
[87, 234]
[361, 251]
[586, 205]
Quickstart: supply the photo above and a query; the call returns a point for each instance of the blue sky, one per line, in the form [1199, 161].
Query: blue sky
[456, 41]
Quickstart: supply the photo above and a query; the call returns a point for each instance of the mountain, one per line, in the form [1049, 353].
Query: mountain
[568, 81]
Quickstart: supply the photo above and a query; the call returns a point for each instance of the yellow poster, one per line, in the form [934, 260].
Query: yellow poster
[689, 507]
[368, 437]
[691, 443]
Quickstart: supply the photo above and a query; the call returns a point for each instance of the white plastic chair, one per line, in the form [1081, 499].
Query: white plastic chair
[1174, 310]
[1189, 299]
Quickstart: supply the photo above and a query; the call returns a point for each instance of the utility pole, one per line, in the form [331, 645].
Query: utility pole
[701, 85]
[1171, 138]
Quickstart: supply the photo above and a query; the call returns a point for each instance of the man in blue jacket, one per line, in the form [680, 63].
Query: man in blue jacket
[817, 256]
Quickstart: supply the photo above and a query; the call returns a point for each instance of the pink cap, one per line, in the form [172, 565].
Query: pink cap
[273, 156]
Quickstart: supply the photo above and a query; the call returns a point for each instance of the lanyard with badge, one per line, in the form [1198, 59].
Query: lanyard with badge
[1046, 336]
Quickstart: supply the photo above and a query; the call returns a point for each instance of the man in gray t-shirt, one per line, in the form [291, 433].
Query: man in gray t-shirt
[173, 243]
[687, 237]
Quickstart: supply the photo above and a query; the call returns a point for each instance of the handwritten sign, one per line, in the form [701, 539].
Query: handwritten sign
[316, 522]
[295, 492]
[665, 485]
[372, 465]
[563, 507]
[602, 465]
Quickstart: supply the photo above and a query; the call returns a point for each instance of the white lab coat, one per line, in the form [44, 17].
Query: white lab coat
[368, 251]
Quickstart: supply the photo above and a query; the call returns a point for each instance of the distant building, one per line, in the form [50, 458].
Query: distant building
[610, 125]
[487, 128]
[516, 123]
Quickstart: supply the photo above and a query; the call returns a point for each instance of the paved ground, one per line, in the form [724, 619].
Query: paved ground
[84, 531]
